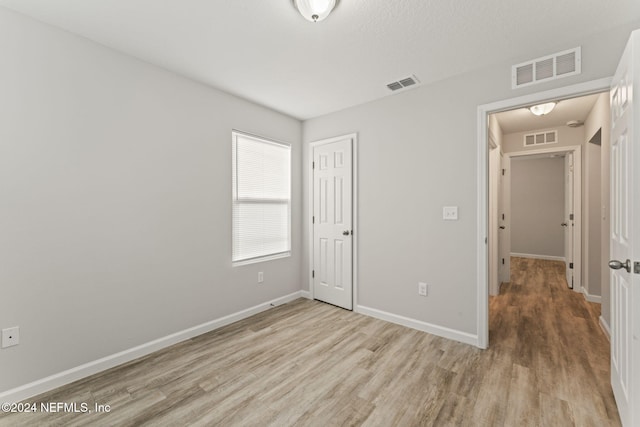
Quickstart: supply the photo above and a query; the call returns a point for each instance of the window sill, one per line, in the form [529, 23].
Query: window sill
[260, 259]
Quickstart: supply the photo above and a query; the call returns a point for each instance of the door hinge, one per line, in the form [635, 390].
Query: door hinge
[571, 265]
[313, 165]
[313, 219]
[502, 172]
[502, 261]
[503, 217]
[313, 274]
[571, 217]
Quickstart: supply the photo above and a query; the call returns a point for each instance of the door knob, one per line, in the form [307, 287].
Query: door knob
[502, 227]
[345, 233]
[614, 264]
[564, 224]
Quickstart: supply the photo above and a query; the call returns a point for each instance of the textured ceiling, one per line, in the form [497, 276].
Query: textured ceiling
[264, 51]
[521, 119]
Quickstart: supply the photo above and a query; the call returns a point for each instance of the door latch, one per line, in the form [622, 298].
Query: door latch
[636, 267]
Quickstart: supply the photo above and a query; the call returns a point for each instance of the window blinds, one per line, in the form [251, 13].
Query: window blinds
[261, 198]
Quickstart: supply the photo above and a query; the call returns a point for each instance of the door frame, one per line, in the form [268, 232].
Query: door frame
[354, 211]
[494, 223]
[577, 202]
[482, 126]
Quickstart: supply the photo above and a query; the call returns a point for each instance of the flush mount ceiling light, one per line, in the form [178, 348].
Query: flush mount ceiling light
[315, 10]
[542, 109]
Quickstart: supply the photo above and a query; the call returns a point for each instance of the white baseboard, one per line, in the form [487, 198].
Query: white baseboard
[591, 298]
[305, 294]
[440, 331]
[534, 256]
[605, 328]
[49, 383]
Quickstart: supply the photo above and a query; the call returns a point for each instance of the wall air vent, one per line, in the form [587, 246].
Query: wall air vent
[403, 83]
[539, 138]
[547, 68]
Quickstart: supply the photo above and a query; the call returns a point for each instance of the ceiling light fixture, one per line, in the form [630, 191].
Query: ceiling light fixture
[315, 10]
[542, 109]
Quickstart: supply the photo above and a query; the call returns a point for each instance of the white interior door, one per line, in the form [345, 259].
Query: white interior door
[332, 223]
[625, 234]
[568, 223]
[504, 220]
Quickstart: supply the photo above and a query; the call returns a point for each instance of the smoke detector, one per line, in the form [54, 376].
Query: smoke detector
[575, 123]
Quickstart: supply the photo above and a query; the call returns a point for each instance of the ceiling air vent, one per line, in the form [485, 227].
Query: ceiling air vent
[403, 83]
[547, 68]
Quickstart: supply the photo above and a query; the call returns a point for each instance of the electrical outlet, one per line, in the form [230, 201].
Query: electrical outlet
[450, 213]
[422, 289]
[260, 277]
[10, 337]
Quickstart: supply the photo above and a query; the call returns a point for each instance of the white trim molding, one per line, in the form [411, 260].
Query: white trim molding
[605, 328]
[305, 294]
[535, 256]
[70, 375]
[482, 182]
[440, 331]
[591, 298]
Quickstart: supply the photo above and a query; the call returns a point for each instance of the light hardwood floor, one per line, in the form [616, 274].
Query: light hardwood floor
[309, 363]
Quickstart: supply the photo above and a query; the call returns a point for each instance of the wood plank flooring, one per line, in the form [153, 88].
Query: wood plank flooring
[311, 364]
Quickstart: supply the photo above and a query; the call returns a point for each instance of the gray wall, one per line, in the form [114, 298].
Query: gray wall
[418, 152]
[115, 192]
[537, 206]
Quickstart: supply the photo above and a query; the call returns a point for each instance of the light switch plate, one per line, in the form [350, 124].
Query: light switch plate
[422, 289]
[450, 213]
[10, 337]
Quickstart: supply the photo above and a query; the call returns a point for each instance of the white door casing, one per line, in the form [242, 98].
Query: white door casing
[483, 112]
[332, 278]
[494, 197]
[568, 223]
[625, 234]
[576, 197]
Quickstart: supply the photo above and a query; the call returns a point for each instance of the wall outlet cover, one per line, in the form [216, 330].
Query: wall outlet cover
[450, 213]
[10, 337]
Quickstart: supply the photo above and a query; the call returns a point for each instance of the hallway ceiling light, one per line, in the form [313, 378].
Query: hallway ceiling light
[542, 109]
[315, 10]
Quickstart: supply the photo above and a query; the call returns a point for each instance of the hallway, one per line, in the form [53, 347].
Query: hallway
[559, 353]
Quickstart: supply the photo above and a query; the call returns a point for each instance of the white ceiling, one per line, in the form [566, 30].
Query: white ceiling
[521, 119]
[264, 51]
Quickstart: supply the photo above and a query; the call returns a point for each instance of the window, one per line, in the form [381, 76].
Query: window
[261, 199]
